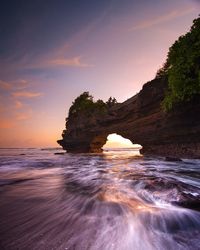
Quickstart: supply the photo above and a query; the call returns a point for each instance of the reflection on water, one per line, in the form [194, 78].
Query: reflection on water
[114, 200]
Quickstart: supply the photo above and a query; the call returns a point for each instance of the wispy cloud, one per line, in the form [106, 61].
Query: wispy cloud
[161, 19]
[5, 85]
[17, 84]
[56, 58]
[69, 62]
[13, 110]
[26, 94]
[21, 84]
[13, 119]
[62, 50]
[58, 61]
[23, 116]
[18, 105]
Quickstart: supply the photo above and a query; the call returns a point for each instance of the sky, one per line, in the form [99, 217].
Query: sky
[117, 141]
[53, 50]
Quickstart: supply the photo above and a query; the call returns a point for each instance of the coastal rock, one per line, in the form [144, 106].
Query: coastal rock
[142, 120]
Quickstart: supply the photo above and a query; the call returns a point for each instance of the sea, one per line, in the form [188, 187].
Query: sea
[116, 200]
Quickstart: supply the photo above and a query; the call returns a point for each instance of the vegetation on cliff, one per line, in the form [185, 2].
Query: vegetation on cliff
[182, 68]
[86, 104]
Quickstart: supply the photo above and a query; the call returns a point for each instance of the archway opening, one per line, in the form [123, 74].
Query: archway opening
[117, 142]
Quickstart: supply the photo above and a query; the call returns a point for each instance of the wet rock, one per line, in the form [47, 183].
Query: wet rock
[173, 191]
[193, 204]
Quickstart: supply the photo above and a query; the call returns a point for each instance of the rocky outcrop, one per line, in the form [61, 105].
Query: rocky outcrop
[142, 120]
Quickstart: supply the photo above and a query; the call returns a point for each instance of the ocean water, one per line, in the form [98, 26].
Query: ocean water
[110, 201]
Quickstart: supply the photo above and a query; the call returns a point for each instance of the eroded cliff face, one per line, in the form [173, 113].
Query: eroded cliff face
[142, 120]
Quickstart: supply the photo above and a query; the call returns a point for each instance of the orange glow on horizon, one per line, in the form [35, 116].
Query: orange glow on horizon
[117, 141]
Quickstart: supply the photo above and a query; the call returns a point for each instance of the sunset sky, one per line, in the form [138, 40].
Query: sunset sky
[53, 50]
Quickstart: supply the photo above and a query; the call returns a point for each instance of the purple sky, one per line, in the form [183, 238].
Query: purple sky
[52, 51]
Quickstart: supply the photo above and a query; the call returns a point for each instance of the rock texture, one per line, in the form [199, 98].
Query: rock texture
[142, 120]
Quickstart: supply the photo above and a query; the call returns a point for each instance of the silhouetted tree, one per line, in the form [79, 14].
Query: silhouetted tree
[111, 101]
[82, 102]
[85, 104]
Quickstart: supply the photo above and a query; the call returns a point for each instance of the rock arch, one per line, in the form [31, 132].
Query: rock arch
[141, 120]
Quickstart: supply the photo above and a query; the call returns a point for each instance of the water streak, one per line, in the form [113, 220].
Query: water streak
[106, 201]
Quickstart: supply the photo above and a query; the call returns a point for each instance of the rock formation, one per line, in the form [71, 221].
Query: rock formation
[142, 120]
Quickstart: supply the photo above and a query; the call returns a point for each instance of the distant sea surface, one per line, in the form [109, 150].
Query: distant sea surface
[116, 200]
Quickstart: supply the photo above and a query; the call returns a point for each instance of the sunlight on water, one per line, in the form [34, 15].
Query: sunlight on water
[113, 201]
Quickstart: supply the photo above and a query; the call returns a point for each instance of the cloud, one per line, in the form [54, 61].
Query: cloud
[26, 94]
[23, 116]
[161, 19]
[62, 50]
[18, 84]
[58, 57]
[18, 104]
[57, 61]
[14, 119]
[5, 85]
[69, 62]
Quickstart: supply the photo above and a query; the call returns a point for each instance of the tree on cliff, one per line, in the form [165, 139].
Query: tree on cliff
[182, 68]
[85, 104]
[82, 102]
[111, 101]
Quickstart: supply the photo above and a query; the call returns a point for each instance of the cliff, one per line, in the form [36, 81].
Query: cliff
[142, 120]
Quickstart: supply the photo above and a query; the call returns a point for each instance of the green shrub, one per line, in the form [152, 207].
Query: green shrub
[182, 68]
[85, 104]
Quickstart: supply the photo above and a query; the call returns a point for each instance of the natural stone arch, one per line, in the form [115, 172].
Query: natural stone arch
[97, 143]
[142, 120]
